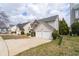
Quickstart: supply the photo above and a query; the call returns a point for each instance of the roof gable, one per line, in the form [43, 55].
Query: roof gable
[43, 27]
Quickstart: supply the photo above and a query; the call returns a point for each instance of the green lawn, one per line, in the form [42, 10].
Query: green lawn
[69, 47]
[6, 36]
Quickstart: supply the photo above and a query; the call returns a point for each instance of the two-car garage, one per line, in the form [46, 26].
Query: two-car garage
[43, 31]
[45, 35]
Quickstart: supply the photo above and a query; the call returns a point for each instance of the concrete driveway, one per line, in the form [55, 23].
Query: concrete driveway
[16, 46]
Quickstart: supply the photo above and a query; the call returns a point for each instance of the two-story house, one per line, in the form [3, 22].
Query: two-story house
[74, 12]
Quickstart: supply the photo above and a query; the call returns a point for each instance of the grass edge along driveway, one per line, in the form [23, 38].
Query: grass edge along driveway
[69, 47]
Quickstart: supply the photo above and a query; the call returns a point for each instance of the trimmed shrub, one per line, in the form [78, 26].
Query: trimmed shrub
[32, 34]
[22, 32]
[55, 34]
[28, 34]
[75, 28]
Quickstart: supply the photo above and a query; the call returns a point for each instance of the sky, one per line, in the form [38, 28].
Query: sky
[23, 12]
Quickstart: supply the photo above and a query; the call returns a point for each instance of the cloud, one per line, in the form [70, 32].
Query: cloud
[35, 11]
[10, 7]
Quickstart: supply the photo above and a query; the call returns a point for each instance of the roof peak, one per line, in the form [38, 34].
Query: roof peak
[50, 18]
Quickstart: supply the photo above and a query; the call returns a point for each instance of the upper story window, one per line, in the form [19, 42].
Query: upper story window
[77, 14]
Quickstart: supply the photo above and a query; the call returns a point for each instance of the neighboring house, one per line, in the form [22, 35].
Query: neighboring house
[27, 27]
[74, 12]
[4, 29]
[17, 29]
[14, 29]
[30, 26]
[21, 30]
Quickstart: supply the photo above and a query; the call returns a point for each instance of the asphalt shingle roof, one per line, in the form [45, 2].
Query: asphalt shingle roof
[45, 20]
[21, 25]
[49, 19]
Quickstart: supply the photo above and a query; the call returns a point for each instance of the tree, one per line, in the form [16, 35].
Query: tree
[75, 28]
[63, 27]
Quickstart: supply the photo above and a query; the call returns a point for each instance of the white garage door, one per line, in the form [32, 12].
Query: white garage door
[45, 35]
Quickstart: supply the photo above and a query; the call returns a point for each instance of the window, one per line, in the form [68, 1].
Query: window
[76, 14]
